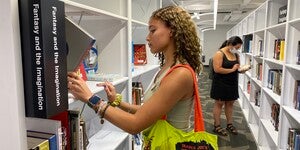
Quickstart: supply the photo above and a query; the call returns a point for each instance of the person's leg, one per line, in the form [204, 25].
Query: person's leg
[228, 113]
[217, 110]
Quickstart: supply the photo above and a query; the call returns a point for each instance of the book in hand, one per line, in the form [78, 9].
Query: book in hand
[43, 46]
[244, 68]
[79, 43]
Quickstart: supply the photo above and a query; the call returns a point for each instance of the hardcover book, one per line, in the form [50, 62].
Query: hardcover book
[42, 135]
[79, 43]
[42, 26]
[140, 57]
[282, 14]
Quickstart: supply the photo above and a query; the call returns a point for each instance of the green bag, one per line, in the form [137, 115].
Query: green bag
[163, 136]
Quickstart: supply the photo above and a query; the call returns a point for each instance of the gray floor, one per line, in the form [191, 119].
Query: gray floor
[244, 140]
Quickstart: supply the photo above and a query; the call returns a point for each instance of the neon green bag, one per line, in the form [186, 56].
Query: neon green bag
[163, 136]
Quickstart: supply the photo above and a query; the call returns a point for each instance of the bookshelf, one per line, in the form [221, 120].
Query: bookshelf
[266, 29]
[115, 25]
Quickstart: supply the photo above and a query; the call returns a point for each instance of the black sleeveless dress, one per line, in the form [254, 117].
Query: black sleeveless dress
[225, 86]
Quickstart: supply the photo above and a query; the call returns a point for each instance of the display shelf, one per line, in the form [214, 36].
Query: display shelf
[295, 114]
[294, 39]
[273, 11]
[140, 70]
[96, 89]
[109, 140]
[138, 23]
[270, 130]
[274, 96]
[254, 130]
[255, 108]
[294, 9]
[278, 62]
[267, 28]
[260, 17]
[293, 67]
[76, 9]
[248, 74]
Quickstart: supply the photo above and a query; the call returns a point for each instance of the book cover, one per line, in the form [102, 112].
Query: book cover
[77, 48]
[281, 49]
[63, 117]
[37, 144]
[140, 56]
[43, 49]
[42, 135]
[91, 61]
[46, 126]
[282, 14]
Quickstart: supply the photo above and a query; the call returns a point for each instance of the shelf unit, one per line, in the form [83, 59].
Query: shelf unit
[115, 26]
[263, 25]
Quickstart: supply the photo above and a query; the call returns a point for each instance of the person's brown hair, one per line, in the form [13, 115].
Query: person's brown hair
[184, 32]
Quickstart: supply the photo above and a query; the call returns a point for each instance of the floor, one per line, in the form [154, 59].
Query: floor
[244, 140]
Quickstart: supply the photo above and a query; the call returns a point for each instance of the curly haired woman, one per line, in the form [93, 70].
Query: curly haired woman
[173, 37]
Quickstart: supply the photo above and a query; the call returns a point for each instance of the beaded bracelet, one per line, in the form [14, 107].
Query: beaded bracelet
[103, 113]
[117, 101]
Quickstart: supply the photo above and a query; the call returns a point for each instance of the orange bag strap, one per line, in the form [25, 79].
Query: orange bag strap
[198, 117]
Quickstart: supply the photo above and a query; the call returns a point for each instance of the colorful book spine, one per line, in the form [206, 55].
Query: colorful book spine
[281, 49]
[298, 54]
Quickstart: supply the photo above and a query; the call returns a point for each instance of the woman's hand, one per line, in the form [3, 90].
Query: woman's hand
[78, 87]
[236, 67]
[110, 90]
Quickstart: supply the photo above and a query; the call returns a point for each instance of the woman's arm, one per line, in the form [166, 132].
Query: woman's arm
[111, 95]
[177, 85]
[217, 64]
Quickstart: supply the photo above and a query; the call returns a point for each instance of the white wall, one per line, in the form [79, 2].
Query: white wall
[212, 40]
[12, 109]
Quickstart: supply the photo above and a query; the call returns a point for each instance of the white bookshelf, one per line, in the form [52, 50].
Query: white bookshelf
[266, 28]
[116, 26]
[112, 24]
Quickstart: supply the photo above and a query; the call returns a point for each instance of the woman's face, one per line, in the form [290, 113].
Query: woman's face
[159, 37]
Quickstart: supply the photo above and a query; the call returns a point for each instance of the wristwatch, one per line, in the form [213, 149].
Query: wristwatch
[93, 100]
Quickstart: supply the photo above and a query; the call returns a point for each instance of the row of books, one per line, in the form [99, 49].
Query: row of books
[296, 100]
[275, 110]
[65, 131]
[247, 43]
[278, 52]
[275, 80]
[294, 139]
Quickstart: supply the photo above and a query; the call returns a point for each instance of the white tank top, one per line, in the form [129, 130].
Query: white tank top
[180, 116]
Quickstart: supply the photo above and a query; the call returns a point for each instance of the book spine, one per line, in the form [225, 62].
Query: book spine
[45, 83]
[30, 24]
[55, 72]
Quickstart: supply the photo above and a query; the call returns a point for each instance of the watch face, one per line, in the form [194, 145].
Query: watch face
[94, 99]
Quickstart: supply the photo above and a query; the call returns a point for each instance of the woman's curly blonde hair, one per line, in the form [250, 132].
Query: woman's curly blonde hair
[184, 32]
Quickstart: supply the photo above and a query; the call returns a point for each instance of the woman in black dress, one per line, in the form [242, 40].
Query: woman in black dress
[225, 83]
